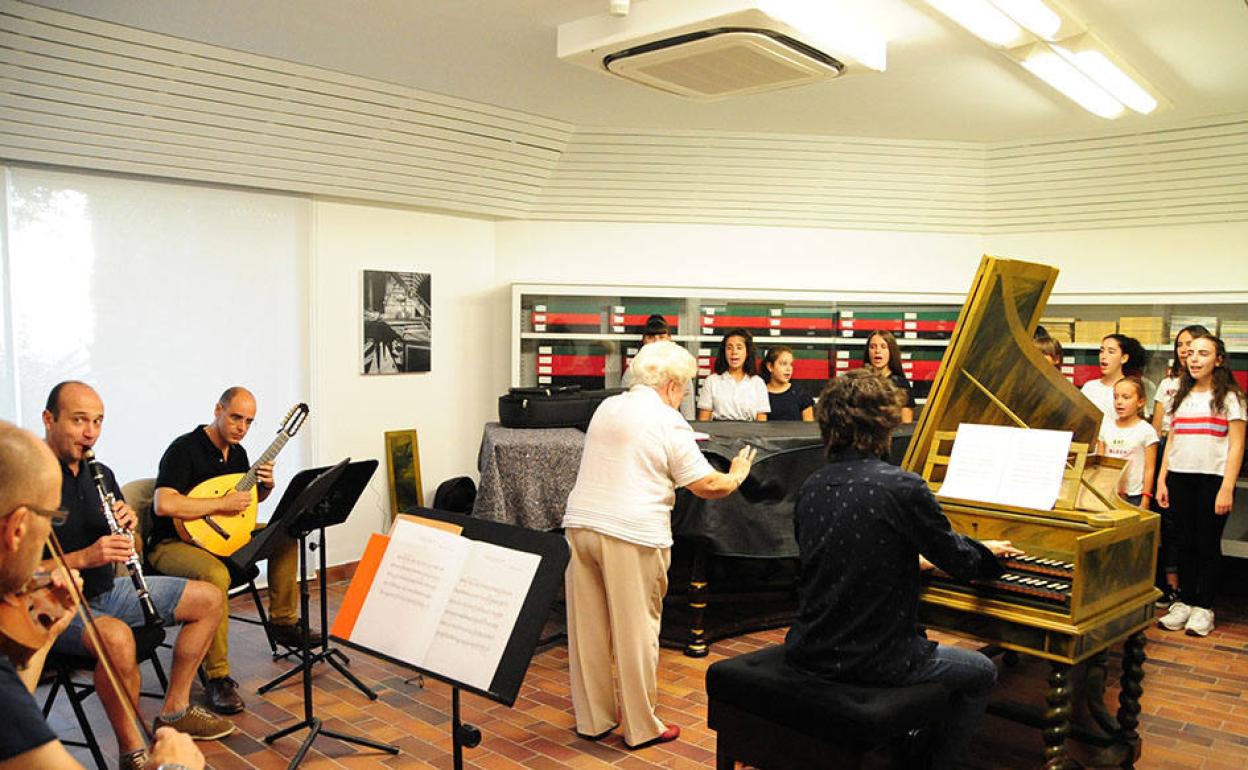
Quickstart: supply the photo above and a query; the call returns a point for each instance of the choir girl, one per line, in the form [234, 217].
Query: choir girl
[734, 391]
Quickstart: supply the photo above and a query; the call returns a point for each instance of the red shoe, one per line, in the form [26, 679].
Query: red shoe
[670, 734]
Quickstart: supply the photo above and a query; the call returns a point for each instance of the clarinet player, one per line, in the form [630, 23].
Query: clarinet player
[72, 420]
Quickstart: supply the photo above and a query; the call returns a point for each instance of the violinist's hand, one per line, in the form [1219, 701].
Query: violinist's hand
[67, 598]
[174, 748]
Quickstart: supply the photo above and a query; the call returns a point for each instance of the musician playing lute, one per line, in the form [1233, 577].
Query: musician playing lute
[207, 452]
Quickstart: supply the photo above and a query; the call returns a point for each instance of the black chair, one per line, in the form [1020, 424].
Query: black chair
[62, 668]
[456, 495]
[766, 714]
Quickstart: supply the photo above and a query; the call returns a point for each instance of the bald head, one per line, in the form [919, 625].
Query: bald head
[29, 479]
[72, 420]
[29, 474]
[233, 392]
[233, 415]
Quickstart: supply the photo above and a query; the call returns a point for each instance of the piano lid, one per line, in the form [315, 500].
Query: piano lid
[992, 372]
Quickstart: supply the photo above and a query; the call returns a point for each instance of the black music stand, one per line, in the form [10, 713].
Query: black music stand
[332, 508]
[547, 582]
[325, 501]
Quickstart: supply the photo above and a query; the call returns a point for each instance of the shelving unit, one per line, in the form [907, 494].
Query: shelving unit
[597, 328]
[826, 330]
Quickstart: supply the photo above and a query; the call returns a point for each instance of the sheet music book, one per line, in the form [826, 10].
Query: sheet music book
[1008, 466]
[438, 601]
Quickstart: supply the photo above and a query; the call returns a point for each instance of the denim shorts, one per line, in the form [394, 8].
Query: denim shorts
[122, 602]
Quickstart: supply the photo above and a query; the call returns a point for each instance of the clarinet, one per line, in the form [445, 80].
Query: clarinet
[150, 616]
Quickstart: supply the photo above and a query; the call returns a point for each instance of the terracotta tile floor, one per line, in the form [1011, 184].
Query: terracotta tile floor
[1195, 711]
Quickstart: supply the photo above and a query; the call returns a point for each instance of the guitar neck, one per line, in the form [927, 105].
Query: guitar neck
[249, 480]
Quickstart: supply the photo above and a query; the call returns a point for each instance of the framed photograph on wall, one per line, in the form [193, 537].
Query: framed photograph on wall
[398, 322]
[403, 471]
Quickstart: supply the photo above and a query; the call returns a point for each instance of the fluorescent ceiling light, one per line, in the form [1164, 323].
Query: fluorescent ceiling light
[1043, 62]
[1038, 18]
[1094, 63]
[984, 20]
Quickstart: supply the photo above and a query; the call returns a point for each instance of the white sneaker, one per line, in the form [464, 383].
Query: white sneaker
[1200, 623]
[1176, 618]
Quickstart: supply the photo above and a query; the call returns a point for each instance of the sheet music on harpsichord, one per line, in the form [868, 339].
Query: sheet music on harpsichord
[1007, 466]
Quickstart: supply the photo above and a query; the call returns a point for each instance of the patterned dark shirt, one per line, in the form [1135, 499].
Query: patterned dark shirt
[861, 525]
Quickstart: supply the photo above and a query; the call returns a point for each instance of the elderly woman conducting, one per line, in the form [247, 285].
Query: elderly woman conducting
[638, 450]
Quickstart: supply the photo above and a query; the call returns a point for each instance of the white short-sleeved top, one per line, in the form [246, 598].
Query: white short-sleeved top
[638, 450]
[1165, 396]
[1199, 437]
[1100, 394]
[730, 399]
[1129, 443]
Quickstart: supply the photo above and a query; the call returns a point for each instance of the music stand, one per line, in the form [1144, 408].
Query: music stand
[333, 508]
[327, 500]
[509, 675]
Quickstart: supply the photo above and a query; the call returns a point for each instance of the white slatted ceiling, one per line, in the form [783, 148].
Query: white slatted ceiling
[81, 92]
[85, 93]
[690, 176]
[1172, 176]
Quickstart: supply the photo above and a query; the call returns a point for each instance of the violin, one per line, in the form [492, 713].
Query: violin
[27, 617]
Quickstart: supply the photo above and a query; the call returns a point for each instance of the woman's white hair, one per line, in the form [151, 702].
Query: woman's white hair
[660, 362]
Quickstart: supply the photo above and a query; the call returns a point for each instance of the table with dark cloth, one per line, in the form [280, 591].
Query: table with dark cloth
[527, 474]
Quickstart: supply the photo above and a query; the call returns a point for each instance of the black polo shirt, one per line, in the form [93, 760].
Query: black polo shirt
[86, 522]
[861, 524]
[22, 727]
[189, 460]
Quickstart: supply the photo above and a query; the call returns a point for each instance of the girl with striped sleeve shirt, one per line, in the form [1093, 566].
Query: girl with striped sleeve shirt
[1197, 479]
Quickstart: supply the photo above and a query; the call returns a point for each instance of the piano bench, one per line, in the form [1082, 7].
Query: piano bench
[768, 715]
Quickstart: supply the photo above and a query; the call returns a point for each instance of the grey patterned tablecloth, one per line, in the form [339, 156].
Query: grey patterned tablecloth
[527, 474]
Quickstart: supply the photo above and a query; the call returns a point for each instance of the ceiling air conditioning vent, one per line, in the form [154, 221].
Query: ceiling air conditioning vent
[727, 61]
[715, 49]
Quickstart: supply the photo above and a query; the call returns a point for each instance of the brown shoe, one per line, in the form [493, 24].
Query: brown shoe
[199, 724]
[292, 636]
[222, 695]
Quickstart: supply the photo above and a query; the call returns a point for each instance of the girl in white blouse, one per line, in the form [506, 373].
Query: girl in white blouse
[734, 391]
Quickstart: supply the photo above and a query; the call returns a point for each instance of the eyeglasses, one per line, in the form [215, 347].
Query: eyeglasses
[57, 516]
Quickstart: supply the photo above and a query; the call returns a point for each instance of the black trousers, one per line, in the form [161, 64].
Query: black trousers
[1198, 531]
[1168, 557]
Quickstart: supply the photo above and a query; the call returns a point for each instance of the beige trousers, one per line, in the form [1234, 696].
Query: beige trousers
[174, 557]
[615, 593]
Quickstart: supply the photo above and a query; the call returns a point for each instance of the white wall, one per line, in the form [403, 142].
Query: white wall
[1196, 258]
[1204, 258]
[735, 256]
[447, 406]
